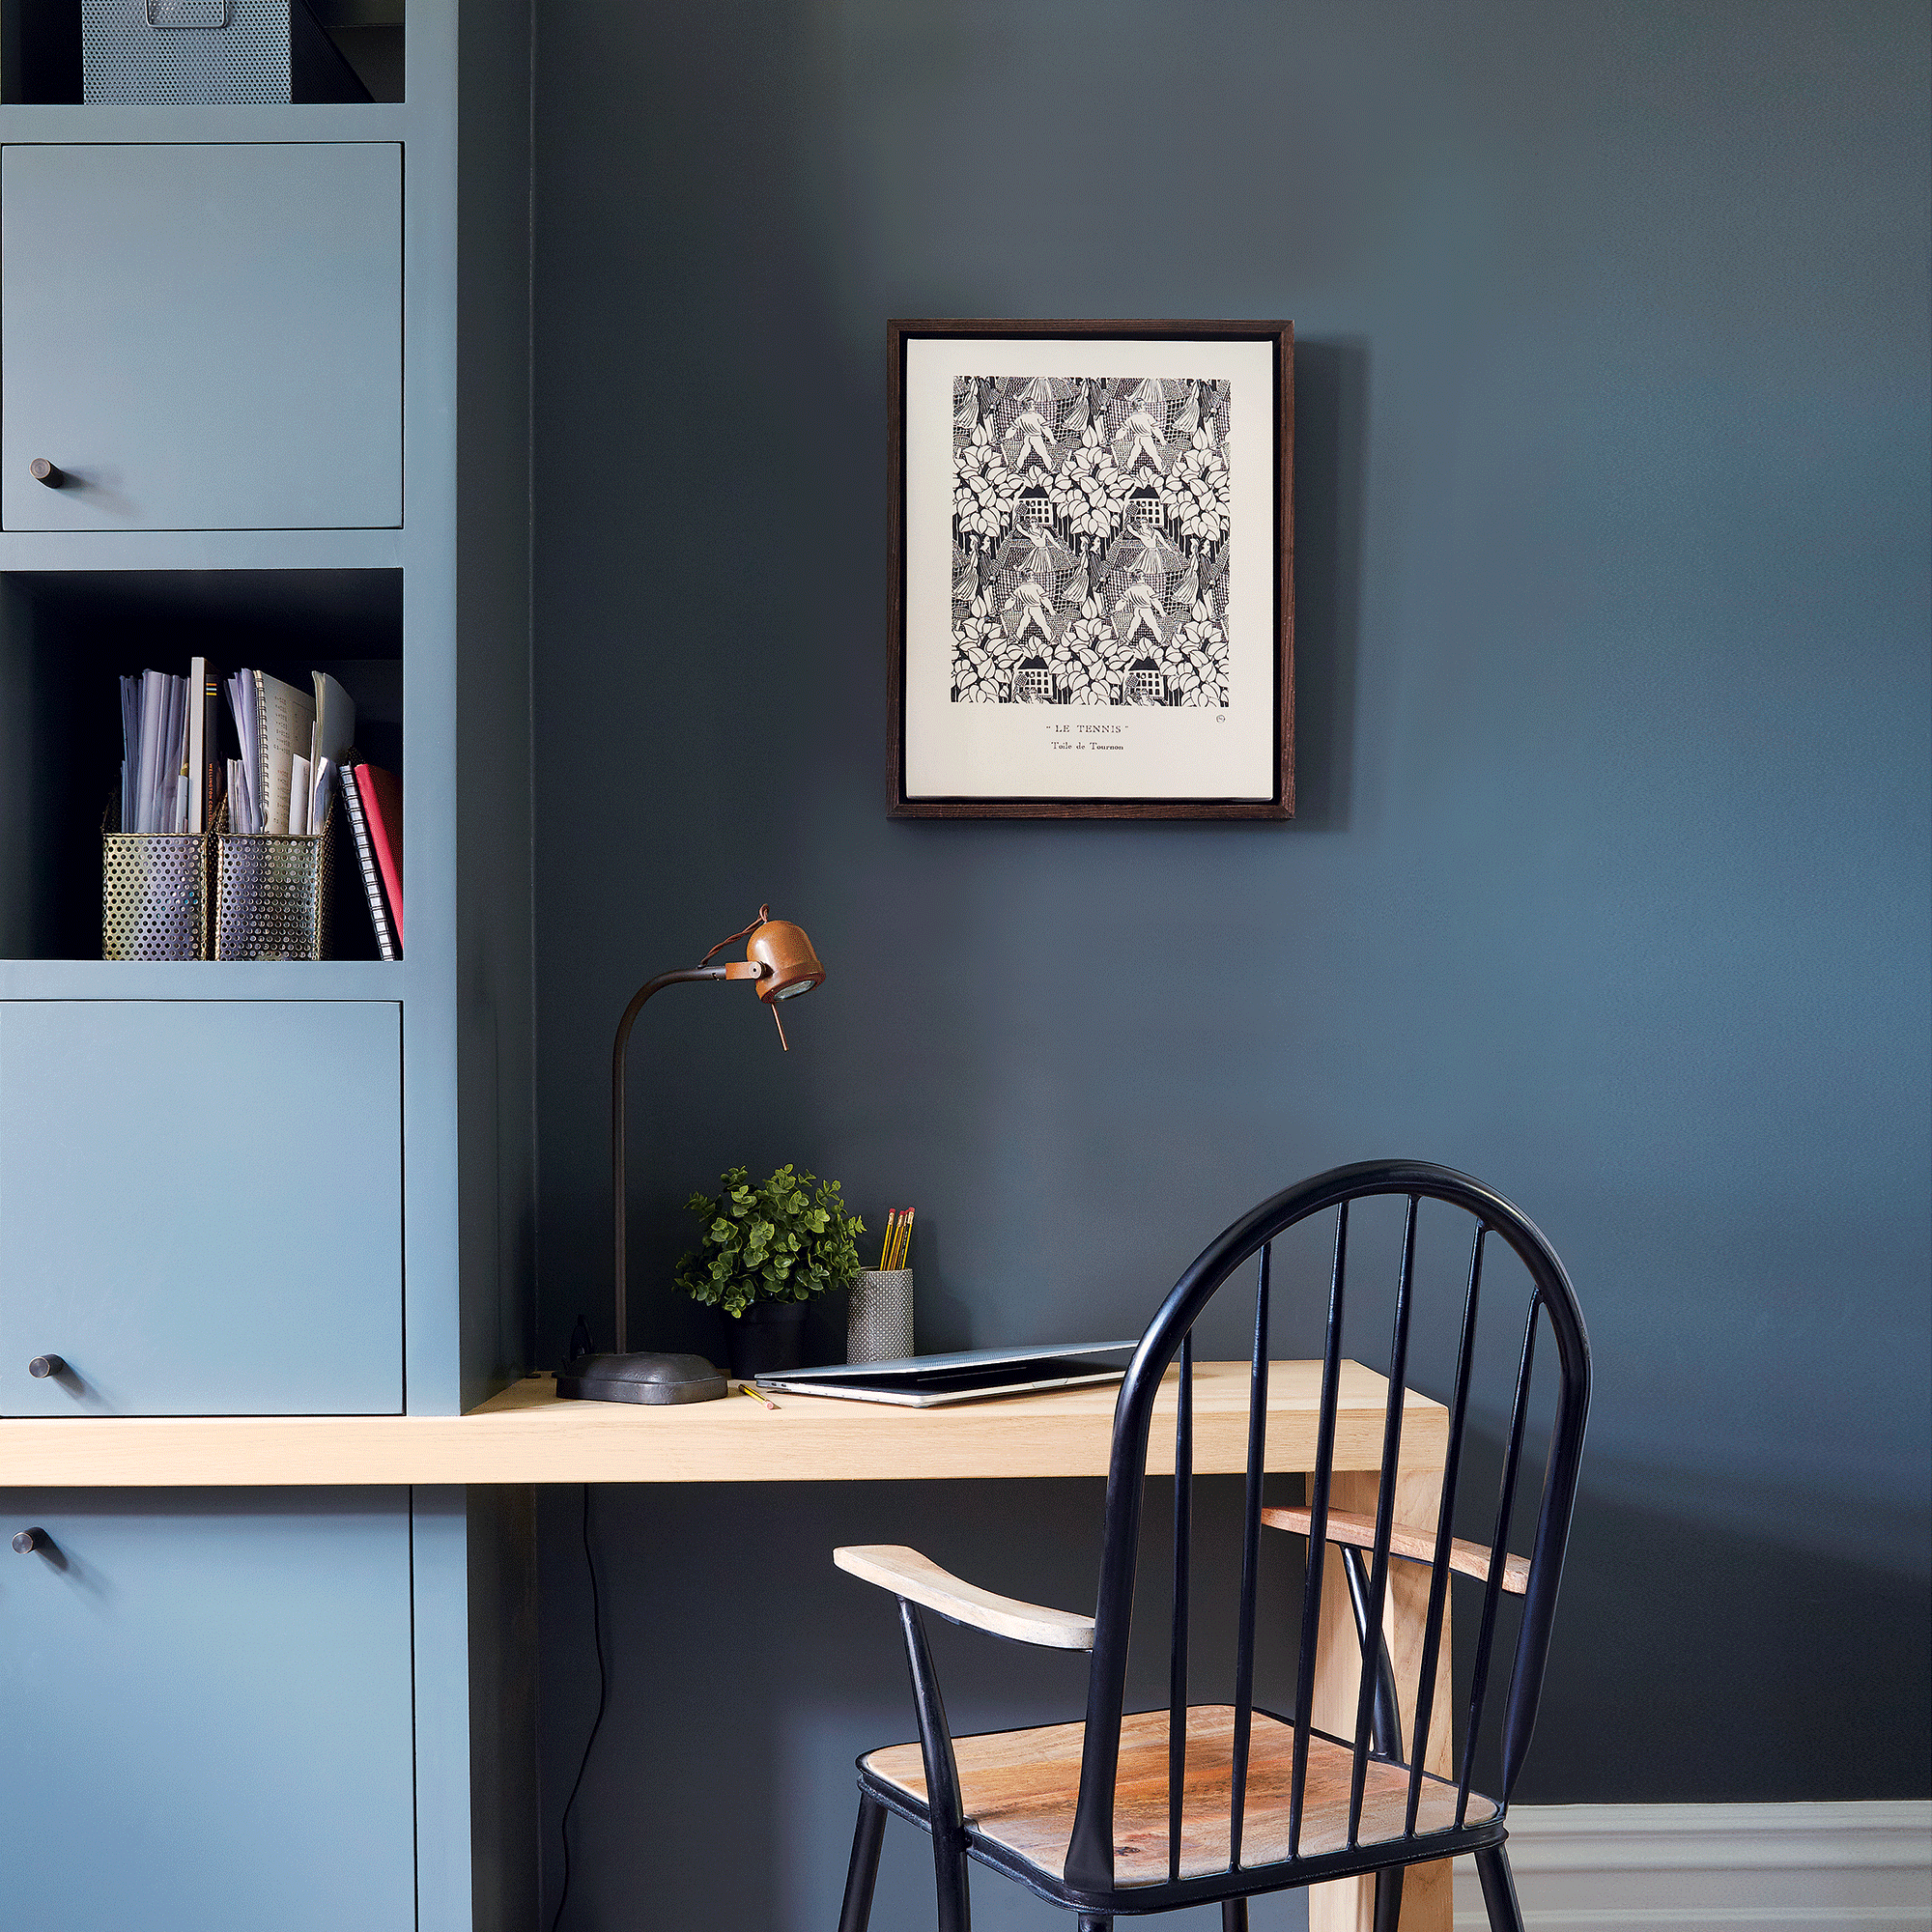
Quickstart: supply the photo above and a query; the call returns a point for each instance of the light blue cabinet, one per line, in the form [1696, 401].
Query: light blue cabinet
[201, 1206]
[208, 1721]
[276, 1187]
[202, 337]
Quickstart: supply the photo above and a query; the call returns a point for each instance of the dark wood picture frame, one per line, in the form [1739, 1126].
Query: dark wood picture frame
[1280, 805]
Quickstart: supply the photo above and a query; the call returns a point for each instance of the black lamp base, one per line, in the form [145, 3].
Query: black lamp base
[641, 1377]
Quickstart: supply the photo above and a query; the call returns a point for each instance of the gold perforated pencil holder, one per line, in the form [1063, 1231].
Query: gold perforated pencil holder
[154, 895]
[272, 894]
[878, 1328]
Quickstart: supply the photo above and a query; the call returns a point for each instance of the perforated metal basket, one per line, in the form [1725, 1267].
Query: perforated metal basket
[878, 1328]
[183, 53]
[272, 894]
[154, 895]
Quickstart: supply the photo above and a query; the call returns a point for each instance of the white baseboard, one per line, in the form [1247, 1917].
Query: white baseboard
[1716, 1868]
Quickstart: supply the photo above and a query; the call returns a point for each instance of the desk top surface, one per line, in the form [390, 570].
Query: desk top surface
[526, 1435]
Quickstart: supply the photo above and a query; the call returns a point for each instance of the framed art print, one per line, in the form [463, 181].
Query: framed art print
[1092, 569]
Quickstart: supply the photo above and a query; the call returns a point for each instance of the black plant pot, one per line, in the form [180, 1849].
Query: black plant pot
[767, 1339]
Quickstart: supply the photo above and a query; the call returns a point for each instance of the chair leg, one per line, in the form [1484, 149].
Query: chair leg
[955, 1905]
[1233, 1915]
[1388, 1898]
[1493, 1867]
[862, 1873]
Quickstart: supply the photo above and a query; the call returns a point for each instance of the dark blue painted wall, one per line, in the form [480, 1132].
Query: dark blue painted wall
[1611, 882]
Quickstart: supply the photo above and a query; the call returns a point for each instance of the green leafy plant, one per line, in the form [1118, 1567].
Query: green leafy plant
[786, 1239]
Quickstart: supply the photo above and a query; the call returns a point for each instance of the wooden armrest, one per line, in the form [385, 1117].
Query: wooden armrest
[1418, 1546]
[905, 1573]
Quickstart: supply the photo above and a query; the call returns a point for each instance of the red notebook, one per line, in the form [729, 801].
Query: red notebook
[382, 796]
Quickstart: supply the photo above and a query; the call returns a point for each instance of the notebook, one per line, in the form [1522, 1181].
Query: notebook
[382, 798]
[372, 885]
[926, 1382]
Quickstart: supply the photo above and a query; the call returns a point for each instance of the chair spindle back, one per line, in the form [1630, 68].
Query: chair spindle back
[1377, 1730]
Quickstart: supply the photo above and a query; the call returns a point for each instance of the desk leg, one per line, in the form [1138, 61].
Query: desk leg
[1348, 1905]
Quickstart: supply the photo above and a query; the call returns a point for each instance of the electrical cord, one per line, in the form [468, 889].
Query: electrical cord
[596, 1724]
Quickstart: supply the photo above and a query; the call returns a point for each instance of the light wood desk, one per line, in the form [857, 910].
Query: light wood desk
[526, 1435]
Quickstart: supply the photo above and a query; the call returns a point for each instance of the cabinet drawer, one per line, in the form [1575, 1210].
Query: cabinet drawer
[201, 337]
[201, 1207]
[209, 1717]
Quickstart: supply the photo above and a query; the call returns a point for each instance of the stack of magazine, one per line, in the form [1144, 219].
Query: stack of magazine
[293, 743]
[163, 725]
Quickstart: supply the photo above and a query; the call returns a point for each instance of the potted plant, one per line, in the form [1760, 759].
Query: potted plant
[766, 1250]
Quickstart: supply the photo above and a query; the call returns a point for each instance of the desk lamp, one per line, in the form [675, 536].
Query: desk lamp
[779, 962]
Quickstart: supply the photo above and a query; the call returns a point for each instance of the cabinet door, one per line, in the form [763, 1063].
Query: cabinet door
[201, 337]
[207, 1711]
[201, 1207]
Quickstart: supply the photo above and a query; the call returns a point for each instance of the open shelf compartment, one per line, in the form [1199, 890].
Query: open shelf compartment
[66, 636]
[190, 53]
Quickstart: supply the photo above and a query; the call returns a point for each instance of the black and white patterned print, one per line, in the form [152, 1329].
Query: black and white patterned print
[1090, 540]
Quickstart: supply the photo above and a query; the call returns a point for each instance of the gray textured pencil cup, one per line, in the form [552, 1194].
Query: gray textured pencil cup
[879, 1327]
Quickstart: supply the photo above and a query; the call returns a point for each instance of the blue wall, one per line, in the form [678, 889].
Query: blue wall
[1611, 882]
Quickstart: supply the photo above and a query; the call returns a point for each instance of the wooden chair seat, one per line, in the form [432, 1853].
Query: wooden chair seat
[1019, 1790]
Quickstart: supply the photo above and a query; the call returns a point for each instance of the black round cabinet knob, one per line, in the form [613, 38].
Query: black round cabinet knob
[49, 474]
[27, 1541]
[42, 1366]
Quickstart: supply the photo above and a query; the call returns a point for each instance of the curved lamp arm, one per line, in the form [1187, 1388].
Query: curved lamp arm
[781, 963]
[736, 970]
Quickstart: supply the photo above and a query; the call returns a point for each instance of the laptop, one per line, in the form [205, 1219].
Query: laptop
[926, 1382]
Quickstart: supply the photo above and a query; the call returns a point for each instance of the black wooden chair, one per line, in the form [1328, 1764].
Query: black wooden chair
[1153, 1811]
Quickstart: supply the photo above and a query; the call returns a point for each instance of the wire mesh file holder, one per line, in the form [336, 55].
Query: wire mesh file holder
[273, 892]
[154, 893]
[878, 1325]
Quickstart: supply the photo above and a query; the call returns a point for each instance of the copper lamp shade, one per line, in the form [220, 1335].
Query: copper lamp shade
[791, 966]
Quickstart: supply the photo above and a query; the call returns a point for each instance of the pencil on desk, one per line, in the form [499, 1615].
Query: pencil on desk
[756, 1395]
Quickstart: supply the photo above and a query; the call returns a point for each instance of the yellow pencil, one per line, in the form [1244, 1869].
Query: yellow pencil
[905, 1238]
[756, 1395]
